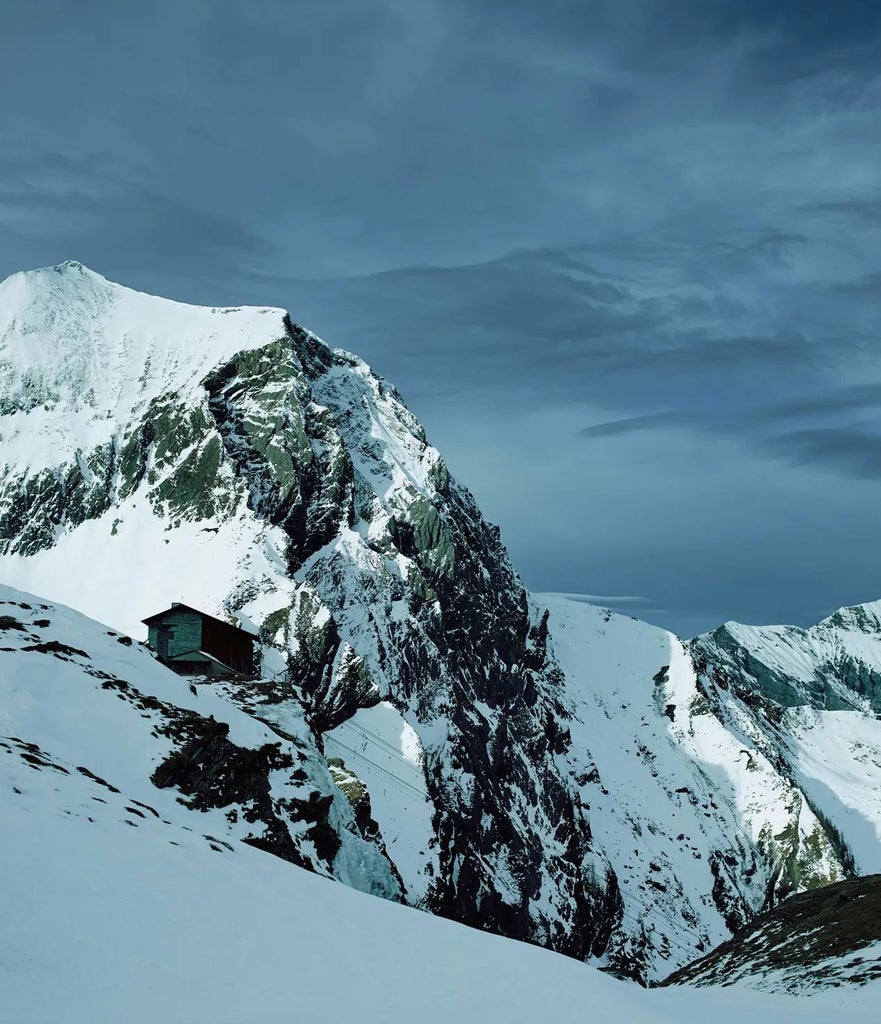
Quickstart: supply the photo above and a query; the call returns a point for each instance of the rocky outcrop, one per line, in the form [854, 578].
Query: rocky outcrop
[825, 938]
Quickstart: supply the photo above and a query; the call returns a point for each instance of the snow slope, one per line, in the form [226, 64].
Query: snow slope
[95, 713]
[129, 926]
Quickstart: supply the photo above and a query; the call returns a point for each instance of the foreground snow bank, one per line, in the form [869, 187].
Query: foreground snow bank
[102, 922]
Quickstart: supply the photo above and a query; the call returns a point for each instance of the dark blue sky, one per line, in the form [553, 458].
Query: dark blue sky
[622, 258]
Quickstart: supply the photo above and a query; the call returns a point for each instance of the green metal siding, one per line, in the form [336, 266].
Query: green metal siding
[186, 632]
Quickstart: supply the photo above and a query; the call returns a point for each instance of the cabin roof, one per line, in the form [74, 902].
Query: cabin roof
[179, 604]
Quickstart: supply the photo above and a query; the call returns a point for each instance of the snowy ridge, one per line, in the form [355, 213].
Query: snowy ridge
[81, 357]
[698, 824]
[385, 753]
[811, 700]
[835, 758]
[833, 665]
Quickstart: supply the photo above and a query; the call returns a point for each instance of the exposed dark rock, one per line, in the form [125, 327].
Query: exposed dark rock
[213, 772]
[60, 650]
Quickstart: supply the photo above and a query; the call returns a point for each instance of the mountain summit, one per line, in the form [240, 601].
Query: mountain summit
[522, 763]
[84, 357]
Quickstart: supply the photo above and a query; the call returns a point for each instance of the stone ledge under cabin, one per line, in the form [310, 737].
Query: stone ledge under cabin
[193, 643]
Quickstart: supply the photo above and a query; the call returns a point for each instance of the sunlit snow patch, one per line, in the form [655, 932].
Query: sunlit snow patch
[384, 751]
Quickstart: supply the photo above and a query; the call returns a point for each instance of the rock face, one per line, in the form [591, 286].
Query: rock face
[533, 767]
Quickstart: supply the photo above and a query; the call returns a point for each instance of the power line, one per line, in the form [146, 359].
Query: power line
[379, 741]
[401, 784]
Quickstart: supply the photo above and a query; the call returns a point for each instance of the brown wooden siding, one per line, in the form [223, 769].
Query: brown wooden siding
[228, 644]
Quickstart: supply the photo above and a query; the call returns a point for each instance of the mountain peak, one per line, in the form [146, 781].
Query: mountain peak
[863, 618]
[73, 266]
[69, 271]
[84, 354]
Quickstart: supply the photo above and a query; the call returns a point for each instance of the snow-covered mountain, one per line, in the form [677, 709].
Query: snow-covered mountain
[810, 700]
[532, 766]
[710, 802]
[124, 899]
[833, 666]
[154, 449]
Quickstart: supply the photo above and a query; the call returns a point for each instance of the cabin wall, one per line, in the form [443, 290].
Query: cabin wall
[186, 632]
[229, 645]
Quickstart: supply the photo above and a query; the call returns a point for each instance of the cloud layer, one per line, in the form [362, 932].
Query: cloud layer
[622, 257]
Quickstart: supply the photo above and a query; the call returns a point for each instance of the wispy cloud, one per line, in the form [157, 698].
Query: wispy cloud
[604, 599]
[632, 424]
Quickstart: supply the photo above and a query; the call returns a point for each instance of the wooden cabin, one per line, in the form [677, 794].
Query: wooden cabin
[193, 643]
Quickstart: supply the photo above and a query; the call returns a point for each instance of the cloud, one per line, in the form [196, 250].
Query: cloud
[848, 451]
[838, 400]
[859, 209]
[605, 599]
[451, 132]
[67, 214]
[537, 220]
[631, 424]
